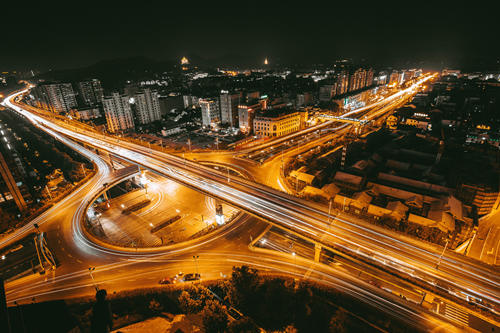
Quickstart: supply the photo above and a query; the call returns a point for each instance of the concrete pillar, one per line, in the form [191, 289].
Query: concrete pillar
[111, 161]
[317, 252]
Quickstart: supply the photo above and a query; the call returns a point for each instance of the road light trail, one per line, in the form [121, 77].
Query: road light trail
[284, 210]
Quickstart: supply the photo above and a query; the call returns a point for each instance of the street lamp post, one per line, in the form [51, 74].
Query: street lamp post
[282, 166]
[91, 269]
[195, 258]
[329, 211]
[48, 191]
[442, 253]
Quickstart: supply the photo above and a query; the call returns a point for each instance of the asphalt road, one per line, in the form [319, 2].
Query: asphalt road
[290, 212]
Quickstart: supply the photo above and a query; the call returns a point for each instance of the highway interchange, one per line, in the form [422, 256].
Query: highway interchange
[115, 270]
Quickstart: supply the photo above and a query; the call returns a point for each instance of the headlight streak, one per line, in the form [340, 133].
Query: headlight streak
[276, 211]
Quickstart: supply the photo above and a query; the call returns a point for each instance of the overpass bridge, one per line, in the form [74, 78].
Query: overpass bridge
[341, 119]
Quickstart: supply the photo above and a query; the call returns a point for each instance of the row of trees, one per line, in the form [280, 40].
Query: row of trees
[270, 303]
[42, 153]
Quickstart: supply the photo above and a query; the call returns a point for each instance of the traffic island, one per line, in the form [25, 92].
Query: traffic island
[149, 212]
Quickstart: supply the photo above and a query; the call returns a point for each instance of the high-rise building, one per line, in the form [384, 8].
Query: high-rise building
[342, 82]
[147, 106]
[326, 92]
[118, 112]
[190, 101]
[357, 79]
[246, 115]
[210, 113]
[409, 74]
[90, 91]
[369, 77]
[54, 97]
[170, 102]
[394, 78]
[401, 77]
[381, 78]
[229, 108]
[307, 98]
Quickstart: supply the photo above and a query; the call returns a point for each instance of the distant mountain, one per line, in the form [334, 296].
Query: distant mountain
[112, 73]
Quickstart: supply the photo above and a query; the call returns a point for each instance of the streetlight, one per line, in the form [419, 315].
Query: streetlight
[329, 211]
[442, 253]
[91, 269]
[195, 258]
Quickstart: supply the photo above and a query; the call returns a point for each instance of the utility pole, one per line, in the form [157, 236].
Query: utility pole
[84, 172]
[189, 144]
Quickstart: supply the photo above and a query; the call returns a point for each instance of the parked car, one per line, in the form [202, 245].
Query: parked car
[192, 277]
[166, 281]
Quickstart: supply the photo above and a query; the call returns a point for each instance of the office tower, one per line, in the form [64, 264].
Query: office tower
[90, 91]
[147, 106]
[210, 113]
[229, 108]
[118, 113]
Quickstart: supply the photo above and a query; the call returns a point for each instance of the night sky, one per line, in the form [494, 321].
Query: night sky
[58, 35]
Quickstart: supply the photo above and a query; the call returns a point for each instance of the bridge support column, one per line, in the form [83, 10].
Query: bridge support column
[317, 252]
[105, 194]
[111, 161]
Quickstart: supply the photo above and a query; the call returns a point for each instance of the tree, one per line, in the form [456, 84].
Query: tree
[189, 304]
[155, 306]
[338, 322]
[244, 281]
[214, 317]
